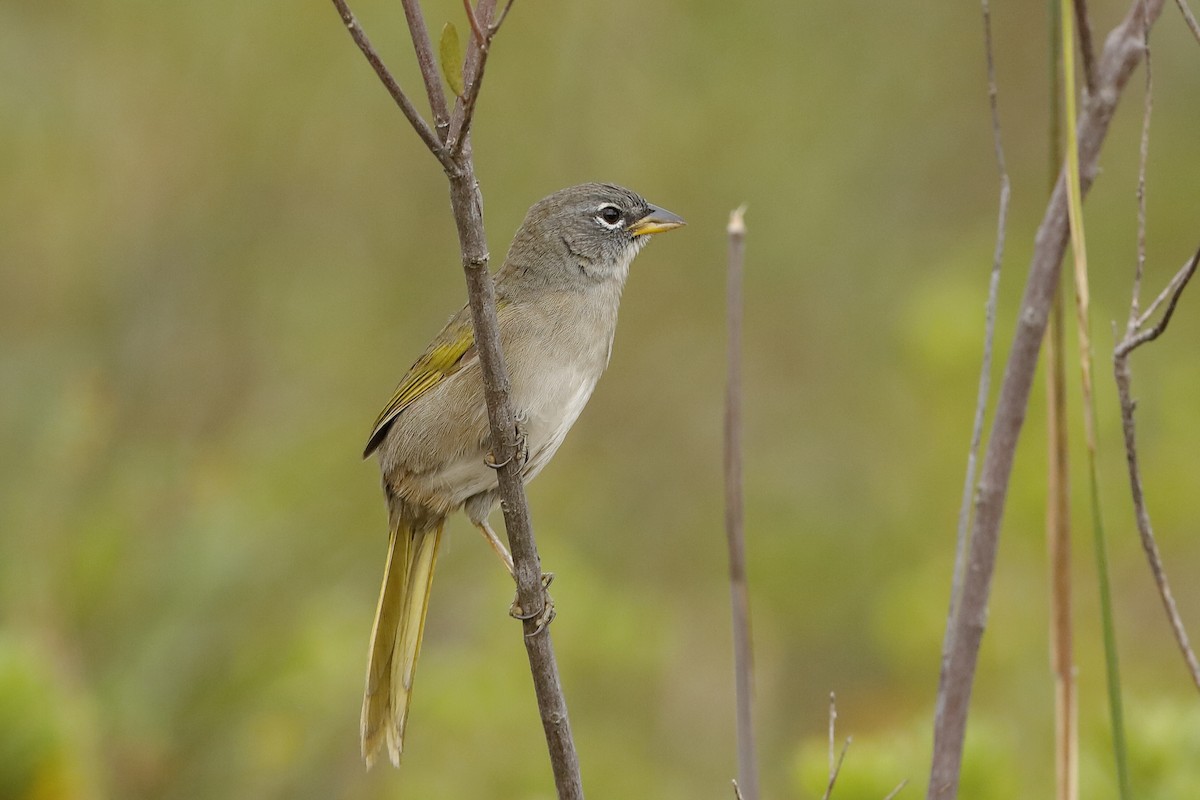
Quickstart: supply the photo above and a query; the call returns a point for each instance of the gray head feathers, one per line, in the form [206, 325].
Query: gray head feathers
[580, 234]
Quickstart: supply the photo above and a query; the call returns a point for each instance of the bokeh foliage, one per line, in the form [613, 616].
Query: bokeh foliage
[220, 246]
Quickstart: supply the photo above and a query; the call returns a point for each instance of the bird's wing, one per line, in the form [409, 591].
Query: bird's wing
[453, 349]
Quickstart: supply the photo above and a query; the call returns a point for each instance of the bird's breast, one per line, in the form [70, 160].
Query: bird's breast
[549, 410]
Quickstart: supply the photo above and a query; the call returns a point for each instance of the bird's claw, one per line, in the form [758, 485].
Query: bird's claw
[520, 451]
[541, 617]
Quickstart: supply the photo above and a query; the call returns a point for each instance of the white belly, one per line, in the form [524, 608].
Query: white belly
[550, 413]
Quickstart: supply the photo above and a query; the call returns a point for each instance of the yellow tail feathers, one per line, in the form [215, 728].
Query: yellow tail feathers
[396, 639]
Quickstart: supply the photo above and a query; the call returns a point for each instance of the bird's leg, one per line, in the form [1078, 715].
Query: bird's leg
[547, 613]
[497, 546]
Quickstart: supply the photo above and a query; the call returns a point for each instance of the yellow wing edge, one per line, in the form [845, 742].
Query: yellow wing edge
[438, 363]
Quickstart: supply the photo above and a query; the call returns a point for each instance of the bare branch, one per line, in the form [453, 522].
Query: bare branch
[1088, 50]
[480, 39]
[410, 112]
[1163, 296]
[832, 729]
[1133, 339]
[892, 794]
[429, 70]
[837, 769]
[477, 54]
[989, 335]
[734, 516]
[1189, 18]
[1122, 53]
[503, 16]
[1143, 157]
[1174, 289]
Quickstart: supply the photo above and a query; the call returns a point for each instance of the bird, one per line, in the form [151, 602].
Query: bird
[557, 295]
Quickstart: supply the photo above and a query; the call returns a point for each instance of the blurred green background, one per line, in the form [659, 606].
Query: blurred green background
[221, 245]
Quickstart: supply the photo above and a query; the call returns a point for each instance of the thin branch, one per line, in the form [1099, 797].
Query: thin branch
[1086, 47]
[1189, 18]
[832, 729]
[467, 204]
[1137, 337]
[1163, 296]
[1133, 339]
[410, 111]
[503, 16]
[480, 39]
[835, 766]
[477, 54]
[837, 769]
[892, 794]
[985, 370]
[1122, 53]
[1143, 158]
[429, 70]
[735, 518]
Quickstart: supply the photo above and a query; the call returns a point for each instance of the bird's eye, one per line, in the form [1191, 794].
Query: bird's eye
[609, 215]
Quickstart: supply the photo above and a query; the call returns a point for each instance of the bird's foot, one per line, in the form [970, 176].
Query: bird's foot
[541, 617]
[521, 449]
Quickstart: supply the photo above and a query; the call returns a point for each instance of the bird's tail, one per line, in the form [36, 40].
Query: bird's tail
[396, 638]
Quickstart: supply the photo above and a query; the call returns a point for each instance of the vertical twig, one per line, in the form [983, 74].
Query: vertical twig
[835, 764]
[1122, 52]
[1085, 45]
[460, 121]
[476, 30]
[425, 60]
[832, 729]
[467, 205]
[734, 517]
[1139, 269]
[985, 370]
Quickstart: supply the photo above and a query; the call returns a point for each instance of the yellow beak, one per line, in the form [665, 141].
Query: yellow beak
[657, 221]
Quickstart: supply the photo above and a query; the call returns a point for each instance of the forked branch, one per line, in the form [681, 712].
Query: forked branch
[1135, 336]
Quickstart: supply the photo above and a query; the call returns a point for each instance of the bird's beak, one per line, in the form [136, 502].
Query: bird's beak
[657, 221]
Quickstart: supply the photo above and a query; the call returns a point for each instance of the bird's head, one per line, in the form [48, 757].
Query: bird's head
[591, 231]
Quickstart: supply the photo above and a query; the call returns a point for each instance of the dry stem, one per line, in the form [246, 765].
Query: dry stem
[1122, 52]
[734, 517]
[985, 370]
[1189, 18]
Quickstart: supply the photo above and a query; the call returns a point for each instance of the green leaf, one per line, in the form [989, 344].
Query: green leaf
[451, 55]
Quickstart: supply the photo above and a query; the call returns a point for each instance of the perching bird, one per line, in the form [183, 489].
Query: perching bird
[557, 296]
